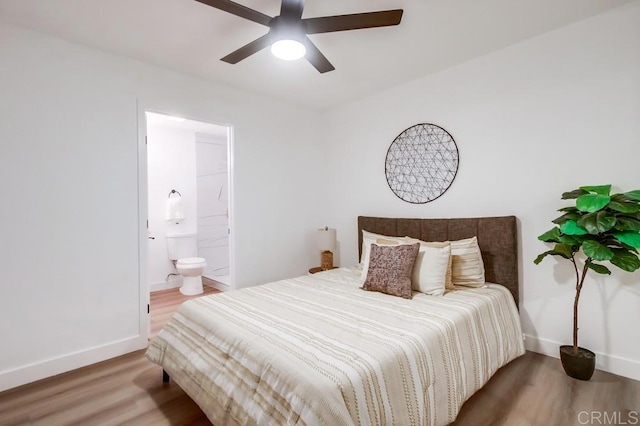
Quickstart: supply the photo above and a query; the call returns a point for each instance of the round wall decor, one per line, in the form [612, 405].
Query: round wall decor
[421, 163]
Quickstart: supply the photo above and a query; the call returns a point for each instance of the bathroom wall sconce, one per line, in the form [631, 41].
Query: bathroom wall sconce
[326, 241]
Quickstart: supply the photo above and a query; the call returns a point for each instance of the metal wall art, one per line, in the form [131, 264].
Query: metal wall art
[421, 163]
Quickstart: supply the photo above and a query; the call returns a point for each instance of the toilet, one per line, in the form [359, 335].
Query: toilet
[182, 248]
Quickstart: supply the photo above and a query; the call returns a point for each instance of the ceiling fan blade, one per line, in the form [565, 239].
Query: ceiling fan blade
[316, 58]
[238, 10]
[356, 21]
[248, 49]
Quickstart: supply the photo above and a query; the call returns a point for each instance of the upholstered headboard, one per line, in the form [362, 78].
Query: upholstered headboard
[497, 238]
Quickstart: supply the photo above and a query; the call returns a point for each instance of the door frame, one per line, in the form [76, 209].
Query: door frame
[143, 252]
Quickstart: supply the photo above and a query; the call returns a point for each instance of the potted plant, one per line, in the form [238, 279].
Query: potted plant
[600, 227]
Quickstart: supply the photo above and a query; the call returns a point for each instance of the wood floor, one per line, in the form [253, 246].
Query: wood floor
[164, 303]
[128, 390]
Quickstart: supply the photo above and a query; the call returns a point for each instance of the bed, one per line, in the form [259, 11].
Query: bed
[317, 349]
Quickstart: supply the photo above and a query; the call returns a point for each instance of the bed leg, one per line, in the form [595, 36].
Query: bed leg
[165, 376]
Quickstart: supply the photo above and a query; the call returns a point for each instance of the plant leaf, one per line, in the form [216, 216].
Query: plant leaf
[600, 189]
[597, 251]
[600, 269]
[542, 256]
[573, 194]
[551, 236]
[625, 260]
[569, 209]
[621, 198]
[592, 202]
[624, 223]
[565, 217]
[563, 250]
[572, 240]
[630, 238]
[598, 222]
[612, 242]
[571, 227]
[624, 207]
[635, 195]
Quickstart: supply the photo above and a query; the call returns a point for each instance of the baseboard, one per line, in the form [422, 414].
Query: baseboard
[177, 282]
[30, 373]
[217, 285]
[165, 285]
[613, 364]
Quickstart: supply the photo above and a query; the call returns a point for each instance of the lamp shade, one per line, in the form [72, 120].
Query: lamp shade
[326, 238]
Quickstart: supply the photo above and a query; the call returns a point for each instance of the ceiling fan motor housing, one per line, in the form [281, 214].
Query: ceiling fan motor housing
[289, 25]
[283, 28]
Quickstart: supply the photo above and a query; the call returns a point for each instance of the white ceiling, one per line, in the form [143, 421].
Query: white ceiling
[190, 37]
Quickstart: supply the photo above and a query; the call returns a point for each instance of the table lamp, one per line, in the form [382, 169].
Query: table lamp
[326, 238]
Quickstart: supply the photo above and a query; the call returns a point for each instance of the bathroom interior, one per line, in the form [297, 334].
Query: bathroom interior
[188, 204]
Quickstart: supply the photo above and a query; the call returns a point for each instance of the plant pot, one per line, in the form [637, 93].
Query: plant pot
[579, 365]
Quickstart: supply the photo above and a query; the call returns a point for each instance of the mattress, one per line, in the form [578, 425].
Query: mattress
[317, 349]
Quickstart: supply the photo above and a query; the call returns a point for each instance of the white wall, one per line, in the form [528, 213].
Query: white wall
[531, 121]
[70, 225]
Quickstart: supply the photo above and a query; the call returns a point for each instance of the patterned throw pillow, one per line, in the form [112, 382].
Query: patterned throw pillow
[390, 269]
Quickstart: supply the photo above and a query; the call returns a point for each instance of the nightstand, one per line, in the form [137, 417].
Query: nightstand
[318, 269]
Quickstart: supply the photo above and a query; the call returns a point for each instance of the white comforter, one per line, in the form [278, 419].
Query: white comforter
[319, 350]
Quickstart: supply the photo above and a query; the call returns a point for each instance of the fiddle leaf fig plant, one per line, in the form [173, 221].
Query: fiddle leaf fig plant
[600, 227]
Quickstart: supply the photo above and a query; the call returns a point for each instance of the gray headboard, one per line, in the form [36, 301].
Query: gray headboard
[497, 238]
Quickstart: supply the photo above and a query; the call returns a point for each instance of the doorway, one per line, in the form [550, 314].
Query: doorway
[188, 165]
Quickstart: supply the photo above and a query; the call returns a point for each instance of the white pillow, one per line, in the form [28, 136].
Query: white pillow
[432, 269]
[369, 238]
[467, 268]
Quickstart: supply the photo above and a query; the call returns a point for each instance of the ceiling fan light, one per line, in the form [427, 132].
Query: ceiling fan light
[289, 50]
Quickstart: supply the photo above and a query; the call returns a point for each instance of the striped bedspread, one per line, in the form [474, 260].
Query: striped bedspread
[319, 350]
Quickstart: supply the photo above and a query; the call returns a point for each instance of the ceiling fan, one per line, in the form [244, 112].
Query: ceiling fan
[288, 31]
